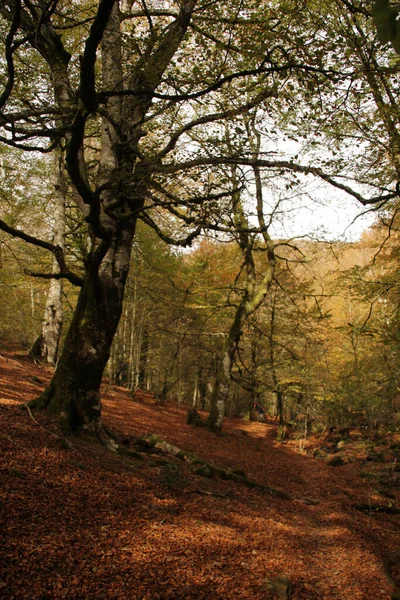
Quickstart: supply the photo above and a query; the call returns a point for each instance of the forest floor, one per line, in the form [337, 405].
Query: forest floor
[81, 523]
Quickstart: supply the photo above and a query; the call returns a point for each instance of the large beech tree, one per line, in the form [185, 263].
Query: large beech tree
[113, 200]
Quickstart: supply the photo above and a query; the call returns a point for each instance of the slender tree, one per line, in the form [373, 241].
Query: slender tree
[47, 344]
[254, 291]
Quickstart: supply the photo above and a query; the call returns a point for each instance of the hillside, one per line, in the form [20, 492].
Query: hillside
[79, 523]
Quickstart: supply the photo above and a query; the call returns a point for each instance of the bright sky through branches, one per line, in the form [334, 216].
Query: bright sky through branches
[335, 218]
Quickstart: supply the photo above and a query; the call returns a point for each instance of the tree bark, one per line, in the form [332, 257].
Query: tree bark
[74, 391]
[46, 346]
[220, 393]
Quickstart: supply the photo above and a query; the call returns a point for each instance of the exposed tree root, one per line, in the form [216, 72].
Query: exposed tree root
[96, 429]
[211, 494]
[105, 437]
[371, 508]
[208, 470]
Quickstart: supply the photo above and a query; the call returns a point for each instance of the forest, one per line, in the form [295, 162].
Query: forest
[199, 240]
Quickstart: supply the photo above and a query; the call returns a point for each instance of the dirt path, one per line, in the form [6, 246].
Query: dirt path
[82, 524]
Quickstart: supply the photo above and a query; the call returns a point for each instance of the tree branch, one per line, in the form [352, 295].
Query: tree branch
[88, 81]
[275, 164]
[263, 95]
[57, 251]
[187, 241]
[9, 54]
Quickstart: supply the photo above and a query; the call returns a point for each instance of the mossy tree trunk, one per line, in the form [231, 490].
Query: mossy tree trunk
[220, 393]
[74, 391]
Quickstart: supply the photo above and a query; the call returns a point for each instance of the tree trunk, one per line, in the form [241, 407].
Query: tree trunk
[254, 294]
[144, 349]
[220, 393]
[52, 323]
[279, 406]
[110, 202]
[202, 394]
[46, 346]
[74, 391]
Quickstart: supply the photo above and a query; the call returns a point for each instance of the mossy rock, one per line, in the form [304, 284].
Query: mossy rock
[182, 455]
[124, 451]
[280, 587]
[204, 471]
[336, 461]
[221, 473]
[152, 439]
[142, 445]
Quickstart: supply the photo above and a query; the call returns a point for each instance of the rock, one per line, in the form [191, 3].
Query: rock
[279, 586]
[335, 461]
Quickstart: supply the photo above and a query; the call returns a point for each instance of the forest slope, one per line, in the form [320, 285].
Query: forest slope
[80, 523]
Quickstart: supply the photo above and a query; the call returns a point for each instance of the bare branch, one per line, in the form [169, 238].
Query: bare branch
[9, 54]
[276, 164]
[57, 251]
[187, 241]
[266, 93]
